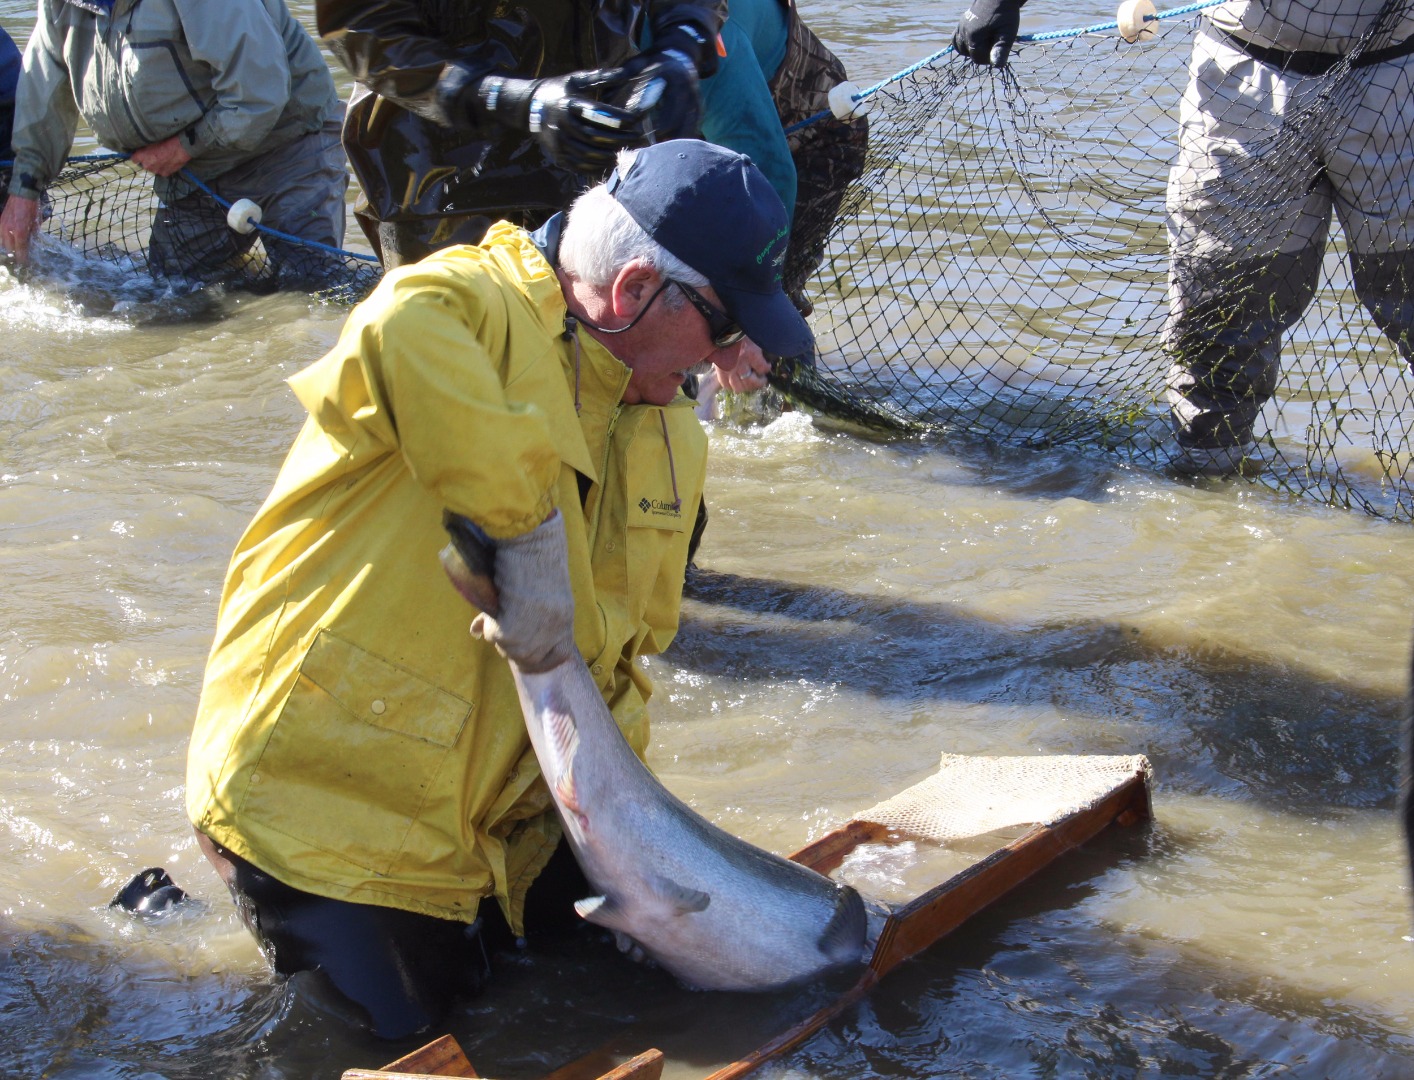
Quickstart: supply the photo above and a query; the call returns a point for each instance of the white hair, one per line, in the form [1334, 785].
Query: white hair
[600, 238]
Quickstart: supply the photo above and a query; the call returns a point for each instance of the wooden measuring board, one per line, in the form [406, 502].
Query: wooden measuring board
[904, 930]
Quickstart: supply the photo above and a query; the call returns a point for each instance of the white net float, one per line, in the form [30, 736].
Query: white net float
[844, 103]
[243, 216]
[1138, 20]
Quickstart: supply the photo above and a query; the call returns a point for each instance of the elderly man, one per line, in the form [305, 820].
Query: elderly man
[360, 772]
[243, 100]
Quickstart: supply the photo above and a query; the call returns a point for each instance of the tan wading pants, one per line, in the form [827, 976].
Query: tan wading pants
[1261, 166]
[300, 188]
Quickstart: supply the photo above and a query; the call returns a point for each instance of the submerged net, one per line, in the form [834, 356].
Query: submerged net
[1001, 266]
[98, 221]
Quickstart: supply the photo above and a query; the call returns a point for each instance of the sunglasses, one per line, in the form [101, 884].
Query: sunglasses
[723, 328]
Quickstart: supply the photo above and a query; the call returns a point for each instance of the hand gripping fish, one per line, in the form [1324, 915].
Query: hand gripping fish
[713, 910]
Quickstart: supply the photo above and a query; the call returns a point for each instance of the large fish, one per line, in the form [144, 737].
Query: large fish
[713, 910]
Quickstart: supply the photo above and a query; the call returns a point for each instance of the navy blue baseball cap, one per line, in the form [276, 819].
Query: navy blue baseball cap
[716, 211]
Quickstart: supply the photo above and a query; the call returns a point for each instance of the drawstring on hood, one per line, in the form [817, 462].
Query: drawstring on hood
[571, 333]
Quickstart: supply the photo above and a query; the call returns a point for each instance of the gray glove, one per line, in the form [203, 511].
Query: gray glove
[534, 626]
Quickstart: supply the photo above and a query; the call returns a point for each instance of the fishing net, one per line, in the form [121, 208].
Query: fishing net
[972, 795]
[101, 219]
[1001, 267]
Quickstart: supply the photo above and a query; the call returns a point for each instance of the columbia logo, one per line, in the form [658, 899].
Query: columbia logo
[644, 505]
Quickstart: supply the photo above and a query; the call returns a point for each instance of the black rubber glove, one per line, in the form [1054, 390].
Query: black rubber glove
[988, 31]
[660, 85]
[573, 127]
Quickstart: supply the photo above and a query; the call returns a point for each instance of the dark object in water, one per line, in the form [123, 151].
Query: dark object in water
[799, 381]
[151, 893]
[1406, 777]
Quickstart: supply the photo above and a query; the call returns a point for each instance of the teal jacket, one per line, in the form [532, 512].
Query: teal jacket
[737, 108]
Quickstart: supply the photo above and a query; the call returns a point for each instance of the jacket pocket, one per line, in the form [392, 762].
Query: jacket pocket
[354, 753]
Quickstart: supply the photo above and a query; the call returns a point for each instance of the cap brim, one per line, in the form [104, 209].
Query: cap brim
[769, 319]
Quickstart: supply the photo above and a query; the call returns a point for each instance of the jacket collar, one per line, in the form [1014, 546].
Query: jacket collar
[547, 238]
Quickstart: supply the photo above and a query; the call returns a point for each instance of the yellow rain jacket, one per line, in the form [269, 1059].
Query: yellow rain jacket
[353, 739]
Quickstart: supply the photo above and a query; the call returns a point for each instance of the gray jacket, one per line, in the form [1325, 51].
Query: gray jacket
[1307, 25]
[231, 80]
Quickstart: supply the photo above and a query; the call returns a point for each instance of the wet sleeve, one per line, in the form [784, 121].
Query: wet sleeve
[438, 366]
[45, 114]
[250, 73]
[390, 47]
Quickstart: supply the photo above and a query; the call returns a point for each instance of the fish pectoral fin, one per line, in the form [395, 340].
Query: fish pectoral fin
[601, 910]
[679, 898]
[558, 718]
[566, 793]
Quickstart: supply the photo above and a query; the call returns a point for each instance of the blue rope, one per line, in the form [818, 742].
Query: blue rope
[81, 158]
[1054, 35]
[186, 175]
[98, 157]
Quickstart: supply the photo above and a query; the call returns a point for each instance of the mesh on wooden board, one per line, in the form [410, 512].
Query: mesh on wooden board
[970, 795]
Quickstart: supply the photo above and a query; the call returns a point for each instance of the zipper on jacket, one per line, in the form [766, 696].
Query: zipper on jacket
[672, 468]
[604, 473]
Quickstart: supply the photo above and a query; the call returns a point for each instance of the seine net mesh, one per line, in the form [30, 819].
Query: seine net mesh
[101, 212]
[1002, 265]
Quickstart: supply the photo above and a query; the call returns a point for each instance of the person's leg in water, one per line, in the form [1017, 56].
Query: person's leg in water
[1371, 162]
[301, 189]
[1248, 218]
[1385, 285]
[400, 971]
[191, 241]
[1225, 338]
[409, 240]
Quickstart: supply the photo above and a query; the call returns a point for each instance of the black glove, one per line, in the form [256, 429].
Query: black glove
[574, 128]
[988, 31]
[660, 85]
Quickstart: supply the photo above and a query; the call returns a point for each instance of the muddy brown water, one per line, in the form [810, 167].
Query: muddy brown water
[862, 606]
